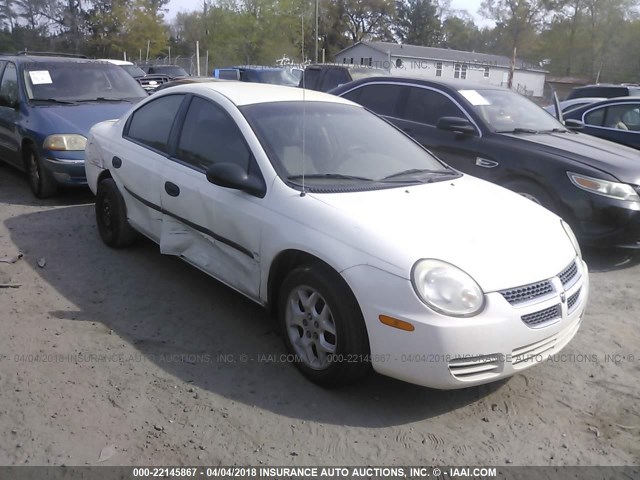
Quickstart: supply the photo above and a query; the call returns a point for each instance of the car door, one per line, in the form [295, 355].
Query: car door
[10, 115]
[616, 122]
[137, 164]
[215, 228]
[418, 113]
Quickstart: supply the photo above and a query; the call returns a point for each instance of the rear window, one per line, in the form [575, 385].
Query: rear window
[603, 91]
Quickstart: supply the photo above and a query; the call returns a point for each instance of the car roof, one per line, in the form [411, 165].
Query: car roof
[247, 93]
[253, 67]
[47, 59]
[452, 84]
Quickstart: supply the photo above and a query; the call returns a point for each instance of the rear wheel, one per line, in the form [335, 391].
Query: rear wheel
[41, 181]
[111, 216]
[323, 327]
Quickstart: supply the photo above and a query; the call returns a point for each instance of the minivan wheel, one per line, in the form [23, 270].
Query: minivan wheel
[323, 327]
[111, 216]
[40, 180]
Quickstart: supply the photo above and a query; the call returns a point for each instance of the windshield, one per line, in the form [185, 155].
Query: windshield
[76, 81]
[133, 70]
[507, 111]
[277, 77]
[343, 145]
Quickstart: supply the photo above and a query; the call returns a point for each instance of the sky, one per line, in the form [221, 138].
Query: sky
[470, 6]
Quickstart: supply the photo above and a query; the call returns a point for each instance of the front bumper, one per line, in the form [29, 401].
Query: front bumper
[448, 353]
[605, 222]
[67, 171]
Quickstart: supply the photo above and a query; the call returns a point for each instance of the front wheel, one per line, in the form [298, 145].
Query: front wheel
[41, 180]
[533, 192]
[323, 327]
[111, 216]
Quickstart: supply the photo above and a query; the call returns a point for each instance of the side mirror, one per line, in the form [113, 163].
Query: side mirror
[572, 124]
[6, 102]
[231, 175]
[456, 124]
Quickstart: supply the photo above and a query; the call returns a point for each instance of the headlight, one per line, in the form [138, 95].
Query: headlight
[446, 289]
[65, 142]
[620, 191]
[572, 237]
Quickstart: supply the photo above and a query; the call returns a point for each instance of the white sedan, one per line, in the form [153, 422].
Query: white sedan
[370, 251]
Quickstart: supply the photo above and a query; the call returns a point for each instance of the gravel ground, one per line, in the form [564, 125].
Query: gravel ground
[132, 358]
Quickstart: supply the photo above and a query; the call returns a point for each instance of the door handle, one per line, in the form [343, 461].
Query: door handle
[172, 189]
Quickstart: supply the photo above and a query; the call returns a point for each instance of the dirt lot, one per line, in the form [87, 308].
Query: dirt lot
[133, 358]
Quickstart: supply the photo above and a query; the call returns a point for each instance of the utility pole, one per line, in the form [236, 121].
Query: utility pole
[316, 31]
[512, 68]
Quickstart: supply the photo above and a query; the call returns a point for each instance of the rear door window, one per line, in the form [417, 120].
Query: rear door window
[379, 98]
[151, 124]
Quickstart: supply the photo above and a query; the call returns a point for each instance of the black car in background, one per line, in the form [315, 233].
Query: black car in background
[326, 76]
[170, 71]
[615, 119]
[607, 90]
[257, 74]
[498, 135]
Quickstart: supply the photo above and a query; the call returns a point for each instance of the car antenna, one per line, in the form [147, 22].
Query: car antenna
[304, 117]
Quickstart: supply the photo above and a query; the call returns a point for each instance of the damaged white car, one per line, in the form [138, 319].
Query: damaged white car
[370, 251]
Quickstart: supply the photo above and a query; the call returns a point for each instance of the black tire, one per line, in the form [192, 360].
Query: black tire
[349, 362]
[533, 192]
[41, 181]
[111, 216]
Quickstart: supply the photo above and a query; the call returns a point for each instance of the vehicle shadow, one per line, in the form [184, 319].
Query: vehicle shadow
[14, 190]
[600, 260]
[201, 331]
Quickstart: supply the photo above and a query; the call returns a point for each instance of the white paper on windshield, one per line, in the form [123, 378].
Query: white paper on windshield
[40, 77]
[474, 97]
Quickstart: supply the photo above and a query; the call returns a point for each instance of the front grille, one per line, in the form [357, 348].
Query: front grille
[542, 317]
[568, 274]
[571, 301]
[527, 292]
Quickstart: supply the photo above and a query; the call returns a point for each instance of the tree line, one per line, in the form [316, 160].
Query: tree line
[591, 39]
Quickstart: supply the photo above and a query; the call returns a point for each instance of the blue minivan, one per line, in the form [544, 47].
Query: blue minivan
[48, 104]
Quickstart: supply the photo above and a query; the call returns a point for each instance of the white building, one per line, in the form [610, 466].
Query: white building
[443, 63]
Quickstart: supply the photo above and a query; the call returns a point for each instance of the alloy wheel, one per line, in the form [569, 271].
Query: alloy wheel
[310, 327]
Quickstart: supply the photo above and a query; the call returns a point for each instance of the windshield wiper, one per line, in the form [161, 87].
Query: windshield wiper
[518, 130]
[330, 176]
[104, 99]
[53, 100]
[414, 171]
[555, 130]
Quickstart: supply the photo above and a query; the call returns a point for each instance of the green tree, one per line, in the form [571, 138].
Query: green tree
[460, 34]
[417, 22]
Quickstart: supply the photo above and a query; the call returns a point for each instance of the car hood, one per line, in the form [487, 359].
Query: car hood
[620, 161]
[80, 118]
[498, 237]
